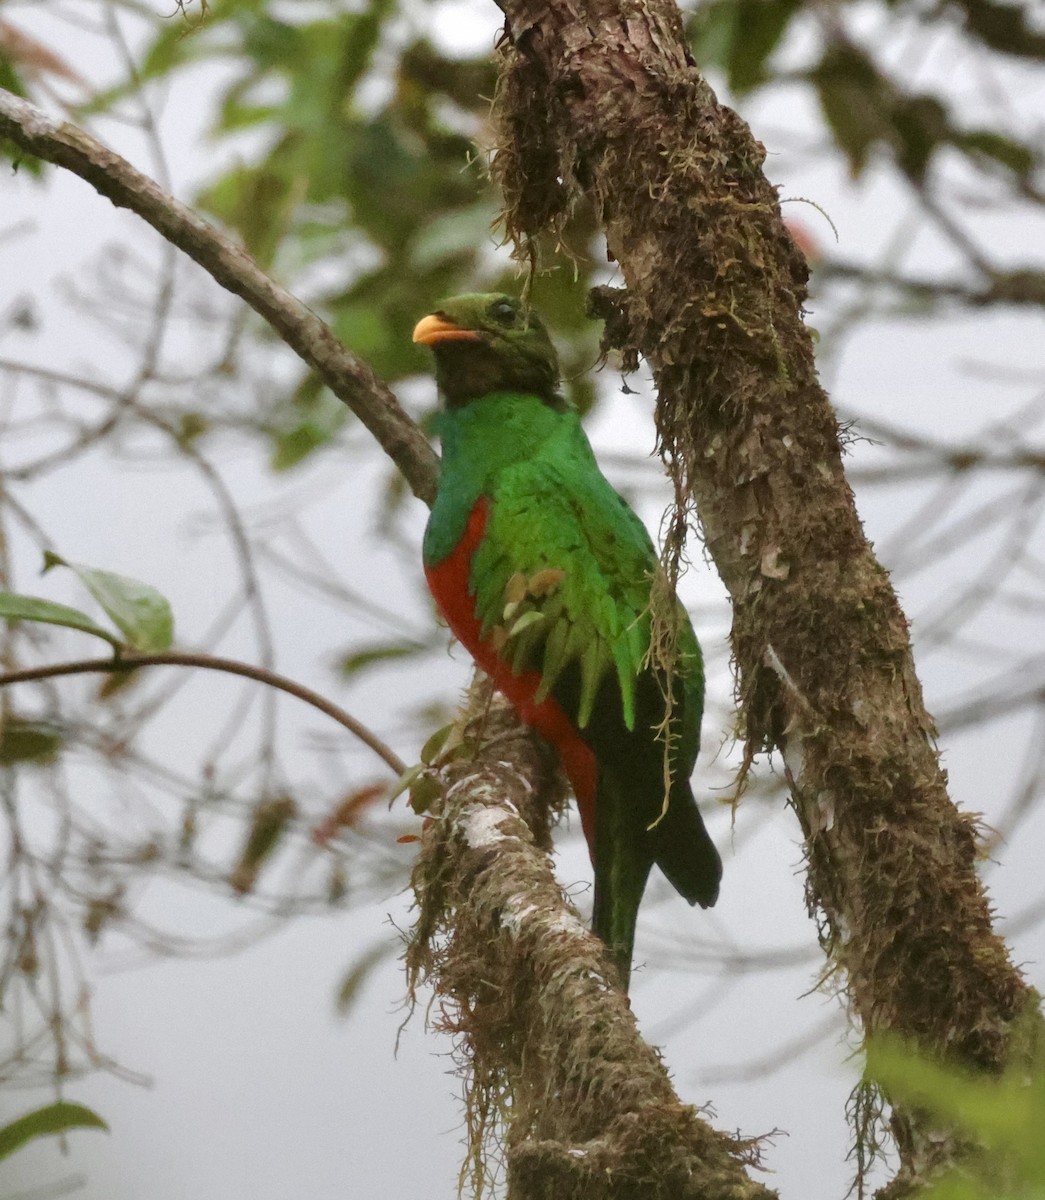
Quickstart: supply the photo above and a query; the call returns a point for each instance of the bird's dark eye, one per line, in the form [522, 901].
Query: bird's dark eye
[503, 312]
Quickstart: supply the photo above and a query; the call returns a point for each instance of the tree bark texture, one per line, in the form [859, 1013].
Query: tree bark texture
[600, 99]
[519, 977]
[591, 1112]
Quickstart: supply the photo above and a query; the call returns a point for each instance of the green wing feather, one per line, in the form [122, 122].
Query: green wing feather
[563, 575]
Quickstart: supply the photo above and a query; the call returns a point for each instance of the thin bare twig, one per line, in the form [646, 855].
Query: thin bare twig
[209, 662]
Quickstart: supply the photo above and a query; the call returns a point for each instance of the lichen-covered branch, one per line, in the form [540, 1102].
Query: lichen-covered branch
[593, 1113]
[348, 377]
[601, 99]
[552, 1053]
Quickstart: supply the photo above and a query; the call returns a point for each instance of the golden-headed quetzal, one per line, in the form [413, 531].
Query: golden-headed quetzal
[544, 574]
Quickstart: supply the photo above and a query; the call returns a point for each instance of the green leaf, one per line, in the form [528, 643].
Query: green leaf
[424, 791]
[295, 445]
[436, 741]
[922, 124]
[324, 415]
[357, 975]
[139, 611]
[1007, 27]
[1003, 1114]
[11, 80]
[269, 823]
[987, 143]
[739, 36]
[269, 42]
[52, 1118]
[760, 25]
[378, 652]
[24, 740]
[854, 131]
[15, 607]
[357, 37]
[115, 683]
[709, 31]
[406, 780]
[855, 101]
[453, 233]
[259, 202]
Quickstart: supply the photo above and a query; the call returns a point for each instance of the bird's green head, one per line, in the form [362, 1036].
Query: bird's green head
[489, 343]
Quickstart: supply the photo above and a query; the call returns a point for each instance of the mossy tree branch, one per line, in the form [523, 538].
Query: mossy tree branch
[601, 100]
[525, 985]
[593, 1111]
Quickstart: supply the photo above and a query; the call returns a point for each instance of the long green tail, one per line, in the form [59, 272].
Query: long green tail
[623, 857]
[626, 849]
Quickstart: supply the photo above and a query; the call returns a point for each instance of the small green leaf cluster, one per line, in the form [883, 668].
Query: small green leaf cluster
[422, 781]
[868, 108]
[142, 616]
[372, 162]
[1003, 1116]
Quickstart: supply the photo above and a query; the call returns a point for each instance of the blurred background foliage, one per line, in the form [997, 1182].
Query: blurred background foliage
[359, 152]
[371, 166]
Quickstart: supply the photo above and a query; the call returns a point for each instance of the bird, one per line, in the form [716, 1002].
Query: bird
[545, 575]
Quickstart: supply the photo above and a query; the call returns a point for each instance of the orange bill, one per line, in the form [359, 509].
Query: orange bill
[434, 328]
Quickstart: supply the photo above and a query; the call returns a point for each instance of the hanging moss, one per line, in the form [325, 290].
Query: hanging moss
[613, 110]
[560, 1091]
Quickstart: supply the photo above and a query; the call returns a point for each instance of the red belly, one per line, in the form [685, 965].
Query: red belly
[448, 583]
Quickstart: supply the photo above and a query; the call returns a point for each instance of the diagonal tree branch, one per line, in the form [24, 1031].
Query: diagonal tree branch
[519, 973]
[348, 377]
[599, 98]
[525, 986]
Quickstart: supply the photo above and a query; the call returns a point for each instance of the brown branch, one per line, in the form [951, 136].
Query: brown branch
[209, 662]
[610, 1118]
[551, 1047]
[1023, 286]
[348, 377]
[601, 99]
